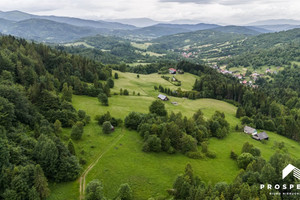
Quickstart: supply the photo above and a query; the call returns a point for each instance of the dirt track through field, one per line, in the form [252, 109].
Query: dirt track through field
[82, 183]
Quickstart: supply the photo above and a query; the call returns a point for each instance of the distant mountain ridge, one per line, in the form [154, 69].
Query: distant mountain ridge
[65, 29]
[275, 22]
[20, 16]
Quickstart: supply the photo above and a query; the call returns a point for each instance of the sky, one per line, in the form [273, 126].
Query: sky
[207, 11]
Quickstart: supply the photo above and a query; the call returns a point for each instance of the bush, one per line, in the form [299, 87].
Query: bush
[195, 155]
[106, 127]
[211, 154]
[244, 160]
[255, 151]
[158, 107]
[153, 143]
[102, 97]
[233, 155]
[77, 131]
[133, 120]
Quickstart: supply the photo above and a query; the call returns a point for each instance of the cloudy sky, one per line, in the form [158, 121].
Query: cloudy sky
[209, 11]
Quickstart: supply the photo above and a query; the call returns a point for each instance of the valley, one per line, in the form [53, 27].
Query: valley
[146, 109]
[153, 172]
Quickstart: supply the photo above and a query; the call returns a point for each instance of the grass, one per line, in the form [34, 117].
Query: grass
[150, 174]
[142, 46]
[79, 44]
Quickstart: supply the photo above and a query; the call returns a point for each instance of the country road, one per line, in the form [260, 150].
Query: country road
[82, 182]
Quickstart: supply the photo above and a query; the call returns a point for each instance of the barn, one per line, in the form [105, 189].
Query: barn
[163, 97]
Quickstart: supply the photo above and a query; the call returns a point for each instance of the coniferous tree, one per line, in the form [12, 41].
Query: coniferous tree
[94, 190]
[57, 127]
[124, 192]
[67, 93]
[77, 131]
[71, 147]
[40, 182]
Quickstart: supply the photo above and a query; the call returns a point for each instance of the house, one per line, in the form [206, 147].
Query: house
[163, 97]
[249, 130]
[172, 71]
[261, 136]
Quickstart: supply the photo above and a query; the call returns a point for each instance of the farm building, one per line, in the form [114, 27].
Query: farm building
[260, 136]
[250, 130]
[163, 97]
[172, 71]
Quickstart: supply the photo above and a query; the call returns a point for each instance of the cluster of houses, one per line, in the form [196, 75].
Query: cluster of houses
[255, 135]
[254, 76]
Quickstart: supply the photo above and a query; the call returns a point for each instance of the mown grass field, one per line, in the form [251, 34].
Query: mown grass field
[150, 174]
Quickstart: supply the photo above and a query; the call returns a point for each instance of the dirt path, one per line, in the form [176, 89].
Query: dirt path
[82, 183]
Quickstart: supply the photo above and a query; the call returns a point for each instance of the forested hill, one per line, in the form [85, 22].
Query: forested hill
[32, 113]
[196, 39]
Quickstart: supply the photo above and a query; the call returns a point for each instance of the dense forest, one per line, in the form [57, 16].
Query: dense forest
[275, 56]
[36, 86]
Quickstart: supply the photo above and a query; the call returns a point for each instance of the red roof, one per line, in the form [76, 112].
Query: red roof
[172, 69]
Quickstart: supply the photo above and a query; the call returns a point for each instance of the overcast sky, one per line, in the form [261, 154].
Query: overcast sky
[209, 11]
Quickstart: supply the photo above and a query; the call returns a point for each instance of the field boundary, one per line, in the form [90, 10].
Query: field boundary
[82, 182]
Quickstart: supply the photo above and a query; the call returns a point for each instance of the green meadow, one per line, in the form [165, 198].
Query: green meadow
[151, 174]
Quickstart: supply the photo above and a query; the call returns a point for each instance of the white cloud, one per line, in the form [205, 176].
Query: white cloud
[210, 11]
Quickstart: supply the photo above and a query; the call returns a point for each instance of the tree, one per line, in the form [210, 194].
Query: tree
[7, 112]
[125, 92]
[81, 115]
[244, 160]
[153, 143]
[67, 93]
[110, 82]
[157, 107]
[247, 147]
[116, 75]
[46, 154]
[233, 155]
[57, 127]
[103, 99]
[71, 147]
[188, 143]
[106, 127]
[240, 112]
[94, 190]
[40, 182]
[77, 131]
[133, 120]
[124, 192]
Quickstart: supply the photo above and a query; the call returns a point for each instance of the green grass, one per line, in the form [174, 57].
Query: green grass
[79, 44]
[150, 174]
[142, 46]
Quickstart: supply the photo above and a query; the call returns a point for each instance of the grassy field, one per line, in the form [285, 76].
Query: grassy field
[79, 44]
[150, 174]
[142, 46]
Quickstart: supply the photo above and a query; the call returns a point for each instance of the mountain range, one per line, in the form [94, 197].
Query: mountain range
[56, 29]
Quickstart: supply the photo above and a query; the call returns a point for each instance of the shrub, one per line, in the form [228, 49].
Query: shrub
[106, 127]
[195, 155]
[233, 155]
[211, 154]
[244, 160]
